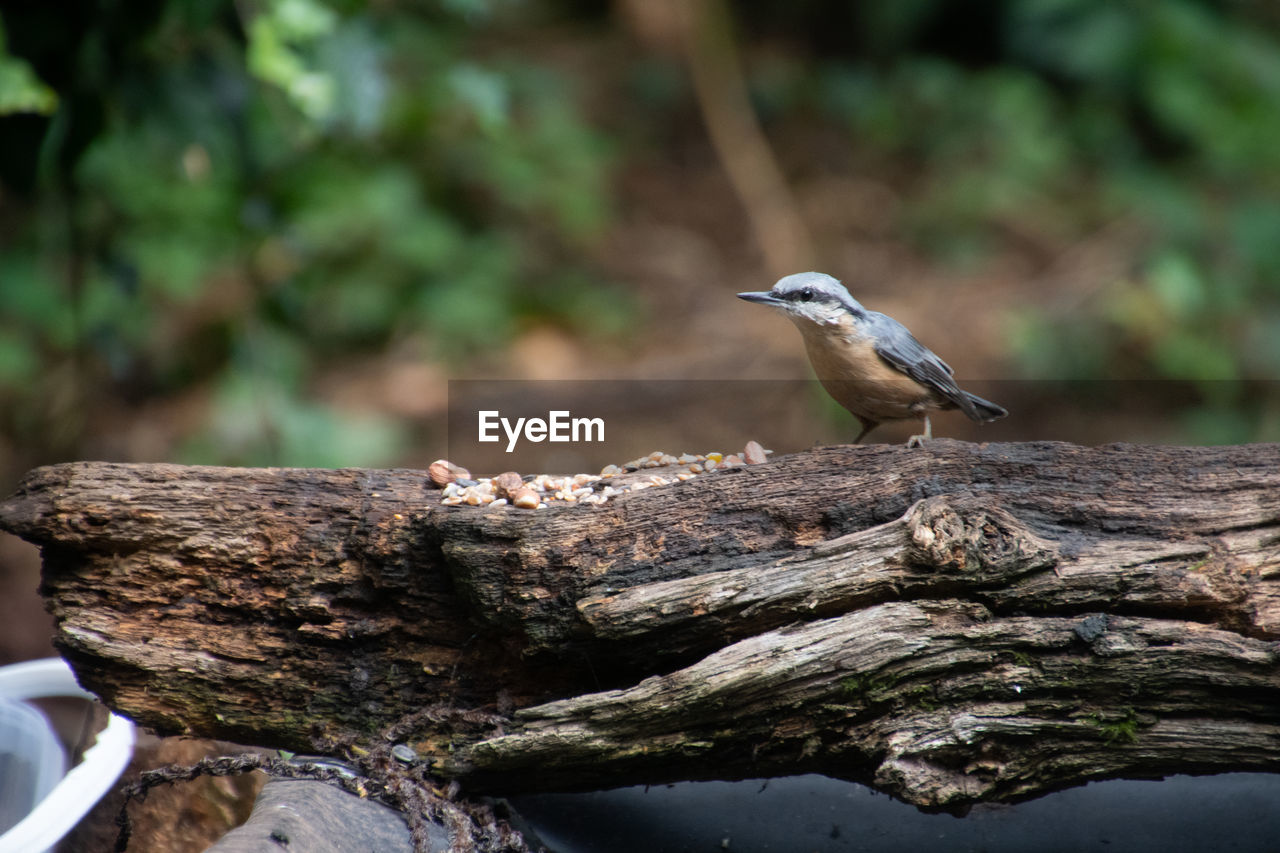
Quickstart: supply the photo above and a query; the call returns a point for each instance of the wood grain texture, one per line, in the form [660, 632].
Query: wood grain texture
[952, 624]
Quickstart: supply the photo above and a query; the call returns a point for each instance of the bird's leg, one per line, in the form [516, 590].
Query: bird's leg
[867, 426]
[919, 440]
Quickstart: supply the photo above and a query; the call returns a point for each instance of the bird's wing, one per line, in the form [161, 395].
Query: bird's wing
[903, 352]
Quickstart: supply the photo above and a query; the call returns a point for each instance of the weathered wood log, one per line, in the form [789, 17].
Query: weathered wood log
[951, 624]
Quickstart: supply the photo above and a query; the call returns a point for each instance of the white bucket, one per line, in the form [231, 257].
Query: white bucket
[53, 801]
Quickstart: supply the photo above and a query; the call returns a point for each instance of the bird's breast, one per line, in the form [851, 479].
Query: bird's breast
[860, 380]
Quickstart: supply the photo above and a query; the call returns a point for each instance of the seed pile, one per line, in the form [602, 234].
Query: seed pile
[536, 492]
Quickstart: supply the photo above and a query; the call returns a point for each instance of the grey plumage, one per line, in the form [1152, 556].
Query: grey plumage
[896, 345]
[857, 353]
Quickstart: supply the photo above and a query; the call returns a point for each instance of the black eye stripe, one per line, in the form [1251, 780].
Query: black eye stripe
[804, 294]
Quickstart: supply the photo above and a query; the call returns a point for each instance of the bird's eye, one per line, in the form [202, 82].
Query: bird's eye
[805, 295]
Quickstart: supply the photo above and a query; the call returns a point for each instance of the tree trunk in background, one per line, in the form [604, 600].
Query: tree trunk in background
[952, 624]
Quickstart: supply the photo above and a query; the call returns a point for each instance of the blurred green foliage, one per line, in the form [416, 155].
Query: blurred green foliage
[1054, 118]
[233, 197]
[236, 195]
[20, 90]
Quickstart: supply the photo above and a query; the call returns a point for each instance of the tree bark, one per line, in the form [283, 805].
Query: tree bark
[951, 624]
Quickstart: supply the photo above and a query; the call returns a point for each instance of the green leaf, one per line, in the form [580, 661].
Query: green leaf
[1178, 284]
[274, 41]
[20, 90]
[352, 58]
[484, 93]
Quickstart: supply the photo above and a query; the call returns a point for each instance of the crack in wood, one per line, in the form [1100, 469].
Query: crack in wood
[914, 619]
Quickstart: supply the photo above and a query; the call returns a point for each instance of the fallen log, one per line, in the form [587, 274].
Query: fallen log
[953, 624]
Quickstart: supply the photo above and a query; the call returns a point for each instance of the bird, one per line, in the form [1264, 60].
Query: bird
[868, 361]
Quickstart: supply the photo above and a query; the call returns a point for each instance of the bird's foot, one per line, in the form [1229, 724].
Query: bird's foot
[919, 440]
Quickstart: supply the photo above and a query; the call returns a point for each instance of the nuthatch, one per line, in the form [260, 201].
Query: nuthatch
[868, 361]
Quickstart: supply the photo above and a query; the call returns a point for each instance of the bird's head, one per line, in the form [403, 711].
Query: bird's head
[811, 297]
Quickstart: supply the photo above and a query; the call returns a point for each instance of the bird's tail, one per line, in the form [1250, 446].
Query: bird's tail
[984, 411]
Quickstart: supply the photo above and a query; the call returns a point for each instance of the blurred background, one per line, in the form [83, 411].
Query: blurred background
[269, 232]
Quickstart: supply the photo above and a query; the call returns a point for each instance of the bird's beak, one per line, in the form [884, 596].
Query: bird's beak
[763, 297]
